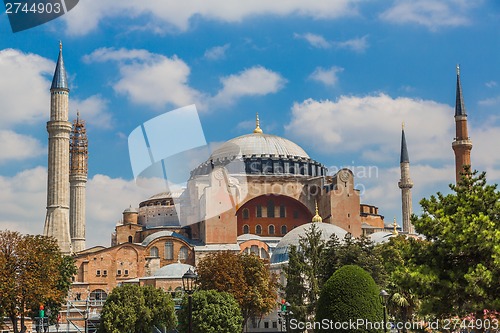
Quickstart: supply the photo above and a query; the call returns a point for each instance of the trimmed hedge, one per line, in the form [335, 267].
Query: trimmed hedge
[350, 294]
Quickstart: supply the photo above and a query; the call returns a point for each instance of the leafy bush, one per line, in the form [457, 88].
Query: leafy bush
[348, 295]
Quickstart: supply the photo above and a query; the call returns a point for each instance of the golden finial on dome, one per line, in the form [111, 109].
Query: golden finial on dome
[317, 218]
[257, 124]
[395, 225]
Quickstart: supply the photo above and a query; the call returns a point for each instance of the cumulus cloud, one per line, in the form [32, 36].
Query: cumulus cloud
[429, 13]
[176, 15]
[157, 80]
[23, 74]
[254, 81]
[23, 201]
[371, 126]
[491, 84]
[216, 52]
[327, 76]
[149, 78]
[358, 44]
[15, 147]
[314, 40]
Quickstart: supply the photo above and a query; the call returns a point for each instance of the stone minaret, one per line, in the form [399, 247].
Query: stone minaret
[405, 184]
[462, 145]
[57, 219]
[77, 180]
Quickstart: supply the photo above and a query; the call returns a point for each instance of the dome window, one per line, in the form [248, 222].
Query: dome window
[153, 252]
[183, 253]
[169, 250]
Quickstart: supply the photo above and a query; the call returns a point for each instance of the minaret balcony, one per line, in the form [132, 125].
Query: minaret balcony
[467, 142]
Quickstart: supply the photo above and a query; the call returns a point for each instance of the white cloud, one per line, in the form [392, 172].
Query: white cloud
[216, 52]
[371, 126]
[176, 15]
[156, 80]
[491, 84]
[430, 13]
[255, 81]
[490, 101]
[356, 44]
[15, 147]
[93, 110]
[148, 78]
[328, 76]
[23, 74]
[23, 201]
[314, 40]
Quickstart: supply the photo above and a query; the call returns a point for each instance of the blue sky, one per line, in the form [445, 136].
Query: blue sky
[338, 77]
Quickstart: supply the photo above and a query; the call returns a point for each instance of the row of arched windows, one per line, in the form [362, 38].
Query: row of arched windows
[169, 252]
[270, 229]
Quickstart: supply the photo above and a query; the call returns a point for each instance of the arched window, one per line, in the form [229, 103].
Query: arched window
[271, 229]
[283, 229]
[270, 208]
[246, 229]
[258, 229]
[254, 249]
[263, 253]
[245, 213]
[282, 211]
[183, 253]
[169, 250]
[153, 252]
[98, 295]
[258, 213]
[130, 239]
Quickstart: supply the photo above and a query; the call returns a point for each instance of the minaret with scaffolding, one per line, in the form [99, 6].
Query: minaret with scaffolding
[78, 179]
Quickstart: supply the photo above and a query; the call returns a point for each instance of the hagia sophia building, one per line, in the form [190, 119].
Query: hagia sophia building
[260, 207]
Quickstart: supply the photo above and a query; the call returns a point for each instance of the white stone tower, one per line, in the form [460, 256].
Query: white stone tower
[57, 219]
[78, 179]
[405, 184]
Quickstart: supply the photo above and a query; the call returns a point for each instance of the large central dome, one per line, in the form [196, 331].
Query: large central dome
[259, 145]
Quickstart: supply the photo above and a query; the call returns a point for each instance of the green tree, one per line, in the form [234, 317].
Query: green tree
[213, 312]
[303, 274]
[395, 255]
[353, 251]
[457, 269]
[33, 272]
[245, 276]
[348, 295]
[136, 309]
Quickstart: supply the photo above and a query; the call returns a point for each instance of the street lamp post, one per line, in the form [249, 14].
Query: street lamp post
[383, 300]
[188, 284]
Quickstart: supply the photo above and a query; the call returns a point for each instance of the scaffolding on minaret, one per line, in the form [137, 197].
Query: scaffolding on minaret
[78, 179]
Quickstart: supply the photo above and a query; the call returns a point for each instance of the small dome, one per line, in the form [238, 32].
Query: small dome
[280, 254]
[130, 210]
[258, 144]
[381, 236]
[173, 271]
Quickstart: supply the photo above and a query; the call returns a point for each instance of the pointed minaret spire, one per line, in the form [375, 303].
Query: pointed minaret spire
[404, 150]
[459, 104]
[405, 184]
[60, 80]
[257, 125]
[462, 145]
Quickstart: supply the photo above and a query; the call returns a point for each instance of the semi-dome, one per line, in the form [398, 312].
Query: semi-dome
[280, 253]
[258, 145]
[173, 271]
